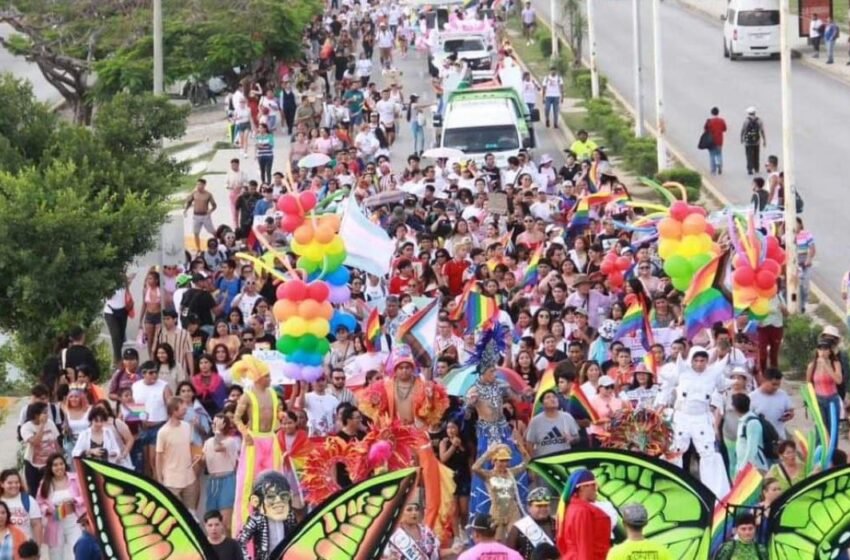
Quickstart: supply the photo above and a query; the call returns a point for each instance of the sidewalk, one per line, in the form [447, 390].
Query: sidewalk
[800, 48]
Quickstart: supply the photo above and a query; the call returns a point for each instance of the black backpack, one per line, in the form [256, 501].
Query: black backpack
[769, 438]
[752, 133]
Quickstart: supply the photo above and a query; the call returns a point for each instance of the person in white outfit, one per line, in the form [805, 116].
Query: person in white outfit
[698, 388]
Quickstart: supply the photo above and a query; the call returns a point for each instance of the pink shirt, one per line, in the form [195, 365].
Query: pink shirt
[605, 409]
[490, 551]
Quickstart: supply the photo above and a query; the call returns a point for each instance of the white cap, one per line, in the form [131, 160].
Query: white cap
[751, 110]
[606, 381]
[545, 158]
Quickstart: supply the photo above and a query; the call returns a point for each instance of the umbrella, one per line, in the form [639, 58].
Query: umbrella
[386, 197]
[460, 380]
[437, 153]
[313, 160]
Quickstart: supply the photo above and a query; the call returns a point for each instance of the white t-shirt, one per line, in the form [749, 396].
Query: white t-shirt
[386, 109]
[529, 91]
[772, 407]
[552, 86]
[152, 396]
[21, 517]
[224, 461]
[384, 39]
[242, 114]
[363, 68]
[247, 302]
[321, 410]
[116, 302]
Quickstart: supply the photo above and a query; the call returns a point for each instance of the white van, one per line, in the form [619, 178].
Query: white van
[751, 28]
[478, 127]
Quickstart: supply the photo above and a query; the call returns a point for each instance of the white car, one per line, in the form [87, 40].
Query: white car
[481, 126]
[475, 48]
[751, 28]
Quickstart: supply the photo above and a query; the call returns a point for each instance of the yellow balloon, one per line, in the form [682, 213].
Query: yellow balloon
[296, 247]
[705, 243]
[314, 251]
[761, 306]
[318, 327]
[690, 246]
[295, 326]
[335, 246]
[667, 248]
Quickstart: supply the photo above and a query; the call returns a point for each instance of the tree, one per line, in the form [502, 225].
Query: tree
[79, 205]
[574, 28]
[93, 49]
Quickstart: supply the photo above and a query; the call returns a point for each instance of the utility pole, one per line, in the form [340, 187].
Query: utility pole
[791, 270]
[553, 7]
[591, 38]
[157, 47]
[638, 69]
[659, 86]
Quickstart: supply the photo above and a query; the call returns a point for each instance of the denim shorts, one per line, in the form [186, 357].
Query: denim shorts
[147, 436]
[221, 492]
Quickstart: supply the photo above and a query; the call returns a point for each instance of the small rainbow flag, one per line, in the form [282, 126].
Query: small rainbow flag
[546, 383]
[633, 320]
[373, 330]
[581, 215]
[649, 363]
[457, 312]
[135, 412]
[63, 510]
[481, 311]
[579, 399]
[745, 491]
[704, 303]
[531, 275]
[811, 401]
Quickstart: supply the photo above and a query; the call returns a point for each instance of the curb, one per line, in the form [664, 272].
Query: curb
[707, 184]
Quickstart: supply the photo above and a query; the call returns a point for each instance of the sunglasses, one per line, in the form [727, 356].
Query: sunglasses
[247, 339]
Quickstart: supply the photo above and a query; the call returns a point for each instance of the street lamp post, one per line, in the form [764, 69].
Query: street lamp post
[791, 270]
[638, 69]
[157, 48]
[660, 127]
[591, 38]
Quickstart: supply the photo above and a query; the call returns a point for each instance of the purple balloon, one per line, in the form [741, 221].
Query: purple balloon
[292, 370]
[312, 373]
[339, 294]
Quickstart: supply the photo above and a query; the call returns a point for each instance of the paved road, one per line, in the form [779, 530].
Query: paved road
[23, 69]
[697, 77]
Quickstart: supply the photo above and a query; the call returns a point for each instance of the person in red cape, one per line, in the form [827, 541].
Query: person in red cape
[584, 532]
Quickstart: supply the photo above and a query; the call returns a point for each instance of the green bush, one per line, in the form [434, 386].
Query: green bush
[598, 110]
[581, 80]
[616, 132]
[691, 180]
[799, 341]
[641, 156]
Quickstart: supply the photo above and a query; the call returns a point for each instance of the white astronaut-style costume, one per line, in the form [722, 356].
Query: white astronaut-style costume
[696, 392]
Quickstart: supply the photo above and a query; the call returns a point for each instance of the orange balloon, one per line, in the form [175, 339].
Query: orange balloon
[284, 309]
[768, 293]
[325, 234]
[668, 228]
[309, 309]
[304, 233]
[694, 224]
[745, 296]
[326, 311]
[331, 220]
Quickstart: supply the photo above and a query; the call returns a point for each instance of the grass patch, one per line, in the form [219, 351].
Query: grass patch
[222, 145]
[175, 148]
[828, 316]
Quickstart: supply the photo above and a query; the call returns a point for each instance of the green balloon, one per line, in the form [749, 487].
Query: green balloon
[681, 283]
[677, 266]
[699, 261]
[335, 261]
[287, 344]
[323, 346]
[308, 265]
[308, 343]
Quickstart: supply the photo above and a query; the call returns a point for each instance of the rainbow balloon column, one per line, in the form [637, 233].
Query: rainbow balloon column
[304, 313]
[758, 263]
[685, 243]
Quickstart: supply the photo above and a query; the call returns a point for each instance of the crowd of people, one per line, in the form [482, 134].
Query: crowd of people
[176, 408]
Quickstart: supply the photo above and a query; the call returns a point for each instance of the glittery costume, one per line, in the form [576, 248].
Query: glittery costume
[502, 491]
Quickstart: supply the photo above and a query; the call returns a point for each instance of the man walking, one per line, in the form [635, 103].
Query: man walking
[830, 36]
[553, 90]
[815, 33]
[203, 205]
[716, 127]
[752, 134]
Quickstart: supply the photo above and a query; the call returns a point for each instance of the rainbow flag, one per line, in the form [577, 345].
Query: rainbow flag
[546, 383]
[633, 320]
[531, 275]
[64, 510]
[481, 311]
[705, 303]
[135, 412]
[373, 330]
[457, 312]
[745, 491]
[649, 363]
[811, 401]
[419, 332]
[581, 215]
[580, 400]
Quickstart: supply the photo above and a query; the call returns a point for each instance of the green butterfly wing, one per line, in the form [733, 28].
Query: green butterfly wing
[679, 506]
[811, 520]
[137, 519]
[355, 524]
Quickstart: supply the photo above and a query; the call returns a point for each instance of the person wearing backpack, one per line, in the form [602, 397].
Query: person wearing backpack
[752, 135]
[830, 36]
[772, 402]
[750, 447]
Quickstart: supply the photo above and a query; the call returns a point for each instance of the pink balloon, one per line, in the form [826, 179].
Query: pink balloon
[693, 209]
[772, 243]
[771, 266]
[616, 280]
[339, 294]
[308, 200]
[288, 205]
[623, 263]
[679, 210]
[744, 276]
[607, 267]
[280, 291]
[290, 222]
[765, 279]
[295, 290]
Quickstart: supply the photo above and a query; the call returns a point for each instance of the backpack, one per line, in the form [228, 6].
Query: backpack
[752, 133]
[769, 437]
